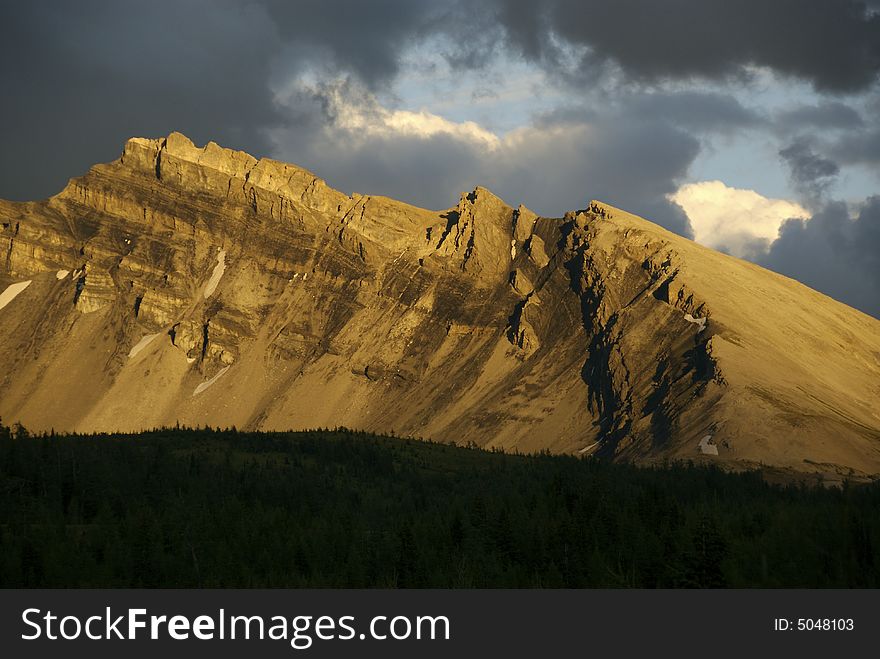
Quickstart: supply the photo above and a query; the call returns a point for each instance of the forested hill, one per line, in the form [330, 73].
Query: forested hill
[339, 508]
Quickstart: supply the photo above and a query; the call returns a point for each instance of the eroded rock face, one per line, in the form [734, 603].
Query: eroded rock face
[595, 333]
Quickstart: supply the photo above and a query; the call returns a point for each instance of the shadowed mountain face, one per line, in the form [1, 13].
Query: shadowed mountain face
[203, 286]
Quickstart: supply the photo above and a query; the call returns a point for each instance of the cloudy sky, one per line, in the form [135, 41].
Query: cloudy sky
[751, 126]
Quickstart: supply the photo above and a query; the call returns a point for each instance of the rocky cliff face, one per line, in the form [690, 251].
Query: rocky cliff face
[204, 286]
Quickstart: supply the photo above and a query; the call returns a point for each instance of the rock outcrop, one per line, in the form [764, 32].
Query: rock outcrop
[597, 333]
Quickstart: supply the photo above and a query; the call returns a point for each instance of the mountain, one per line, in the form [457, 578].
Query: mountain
[203, 286]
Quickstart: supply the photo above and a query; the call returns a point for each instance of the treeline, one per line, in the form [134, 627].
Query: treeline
[190, 507]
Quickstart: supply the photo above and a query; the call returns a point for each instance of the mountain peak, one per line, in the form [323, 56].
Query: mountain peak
[485, 197]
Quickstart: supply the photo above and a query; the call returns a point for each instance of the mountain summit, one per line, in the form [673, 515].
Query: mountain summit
[204, 286]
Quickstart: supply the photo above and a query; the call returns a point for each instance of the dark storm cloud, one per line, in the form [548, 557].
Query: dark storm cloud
[811, 174]
[830, 115]
[859, 148]
[860, 145]
[695, 111]
[363, 38]
[833, 44]
[470, 34]
[834, 254]
[80, 78]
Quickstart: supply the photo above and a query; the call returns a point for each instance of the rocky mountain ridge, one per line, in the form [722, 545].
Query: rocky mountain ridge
[193, 285]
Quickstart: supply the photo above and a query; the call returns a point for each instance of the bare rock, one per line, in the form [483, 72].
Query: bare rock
[478, 323]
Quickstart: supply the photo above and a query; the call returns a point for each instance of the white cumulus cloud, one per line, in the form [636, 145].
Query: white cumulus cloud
[740, 222]
[425, 124]
[360, 113]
